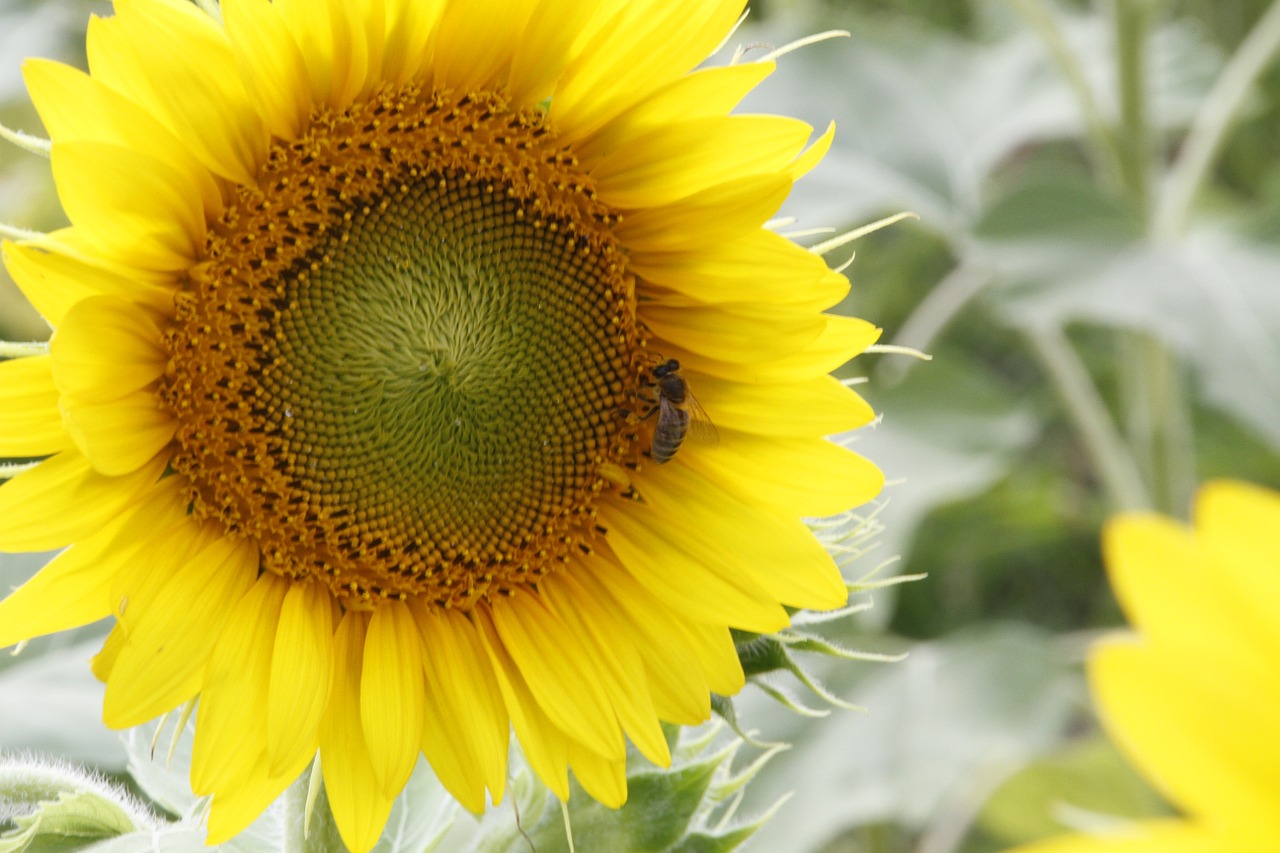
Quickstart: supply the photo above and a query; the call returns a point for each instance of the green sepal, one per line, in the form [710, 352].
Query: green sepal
[760, 654]
[723, 707]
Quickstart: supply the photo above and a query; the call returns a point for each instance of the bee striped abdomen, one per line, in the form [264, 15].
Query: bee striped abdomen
[673, 424]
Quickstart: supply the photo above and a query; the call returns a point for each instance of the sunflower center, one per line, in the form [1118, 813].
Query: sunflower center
[409, 356]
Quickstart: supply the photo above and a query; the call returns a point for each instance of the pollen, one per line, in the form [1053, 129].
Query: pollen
[406, 361]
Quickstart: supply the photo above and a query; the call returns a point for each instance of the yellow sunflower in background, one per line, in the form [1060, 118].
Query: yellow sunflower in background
[347, 413]
[1191, 699]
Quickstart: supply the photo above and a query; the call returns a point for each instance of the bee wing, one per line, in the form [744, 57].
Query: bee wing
[701, 429]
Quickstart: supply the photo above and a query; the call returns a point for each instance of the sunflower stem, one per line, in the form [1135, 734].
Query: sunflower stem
[1215, 117]
[1158, 420]
[1133, 136]
[1112, 462]
[1042, 18]
[934, 314]
[1156, 415]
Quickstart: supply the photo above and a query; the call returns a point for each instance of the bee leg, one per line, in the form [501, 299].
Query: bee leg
[627, 413]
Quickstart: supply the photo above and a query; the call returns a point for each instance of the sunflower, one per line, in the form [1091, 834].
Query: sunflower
[348, 410]
[1190, 697]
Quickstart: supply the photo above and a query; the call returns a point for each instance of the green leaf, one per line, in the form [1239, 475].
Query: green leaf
[1045, 204]
[927, 117]
[42, 798]
[940, 726]
[70, 822]
[1086, 777]
[1210, 295]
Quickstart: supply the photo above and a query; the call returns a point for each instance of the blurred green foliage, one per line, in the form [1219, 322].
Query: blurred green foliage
[1040, 270]
[1088, 356]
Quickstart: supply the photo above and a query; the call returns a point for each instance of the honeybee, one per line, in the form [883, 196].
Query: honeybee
[677, 411]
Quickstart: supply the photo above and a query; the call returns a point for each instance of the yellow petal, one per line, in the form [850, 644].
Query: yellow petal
[811, 156]
[672, 668]
[30, 424]
[475, 41]
[410, 24]
[156, 521]
[171, 636]
[301, 675]
[739, 334]
[370, 20]
[716, 215]
[545, 747]
[231, 723]
[706, 92]
[467, 728]
[393, 695]
[359, 807]
[760, 267]
[176, 63]
[1197, 727]
[104, 661]
[1237, 523]
[73, 589]
[803, 409]
[62, 500]
[77, 107]
[840, 340]
[718, 654]
[620, 669]
[122, 435]
[560, 673]
[605, 779]
[648, 44]
[54, 282]
[106, 349]
[664, 561]
[128, 206]
[234, 808]
[78, 586]
[738, 540]
[335, 46]
[555, 32]
[272, 67]
[157, 554]
[1159, 571]
[805, 476]
[674, 162]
